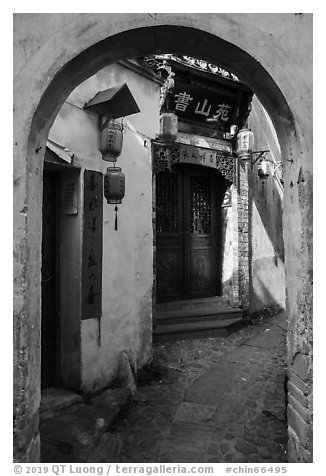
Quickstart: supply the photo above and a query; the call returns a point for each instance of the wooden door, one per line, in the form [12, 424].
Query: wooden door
[49, 323]
[188, 225]
[169, 237]
[199, 229]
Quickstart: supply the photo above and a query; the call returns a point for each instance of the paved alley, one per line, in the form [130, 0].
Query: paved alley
[213, 400]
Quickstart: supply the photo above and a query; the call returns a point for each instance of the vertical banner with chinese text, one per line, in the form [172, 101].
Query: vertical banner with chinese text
[92, 245]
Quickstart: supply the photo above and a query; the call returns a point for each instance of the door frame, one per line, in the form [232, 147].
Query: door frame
[216, 244]
[68, 265]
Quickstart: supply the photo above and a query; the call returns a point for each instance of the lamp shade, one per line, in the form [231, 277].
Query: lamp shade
[264, 169]
[114, 185]
[168, 126]
[111, 138]
[245, 143]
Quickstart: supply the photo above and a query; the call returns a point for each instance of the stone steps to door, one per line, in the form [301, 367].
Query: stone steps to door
[196, 330]
[212, 301]
[196, 319]
[197, 314]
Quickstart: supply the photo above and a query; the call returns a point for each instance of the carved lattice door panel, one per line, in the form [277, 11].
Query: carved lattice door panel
[167, 203]
[187, 224]
[200, 207]
[169, 236]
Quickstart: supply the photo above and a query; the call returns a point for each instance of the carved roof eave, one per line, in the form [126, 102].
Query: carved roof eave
[210, 71]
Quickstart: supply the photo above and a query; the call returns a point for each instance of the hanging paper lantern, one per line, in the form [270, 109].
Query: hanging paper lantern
[114, 185]
[111, 141]
[168, 126]
[114, 189]
[264, 169]
[245, 143]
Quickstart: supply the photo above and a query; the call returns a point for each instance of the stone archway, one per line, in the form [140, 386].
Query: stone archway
[80, 44]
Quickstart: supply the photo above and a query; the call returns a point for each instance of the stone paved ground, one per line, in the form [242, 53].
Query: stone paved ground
[211, 400]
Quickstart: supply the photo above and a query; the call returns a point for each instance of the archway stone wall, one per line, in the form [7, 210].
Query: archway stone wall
[53, 53]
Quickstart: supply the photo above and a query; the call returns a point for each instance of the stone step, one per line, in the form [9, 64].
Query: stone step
[198, 314]
[54, 401]
[193, 303]
[196, 330]
[78, 434]
[207, 302]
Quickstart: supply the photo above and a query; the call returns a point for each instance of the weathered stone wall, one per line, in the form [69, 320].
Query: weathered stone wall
[272, 53]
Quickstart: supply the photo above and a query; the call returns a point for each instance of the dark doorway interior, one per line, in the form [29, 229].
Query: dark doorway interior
[188, 233]
[50, 355]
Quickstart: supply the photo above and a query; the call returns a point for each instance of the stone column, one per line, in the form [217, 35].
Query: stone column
[235, 247]
[243, 231]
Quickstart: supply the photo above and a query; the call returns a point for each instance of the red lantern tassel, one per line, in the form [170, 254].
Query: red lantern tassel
[116, 218]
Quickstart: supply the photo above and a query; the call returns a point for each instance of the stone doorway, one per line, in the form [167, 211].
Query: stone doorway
[61, 217]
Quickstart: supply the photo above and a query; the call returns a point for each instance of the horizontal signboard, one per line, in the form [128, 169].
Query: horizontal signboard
[213, 108]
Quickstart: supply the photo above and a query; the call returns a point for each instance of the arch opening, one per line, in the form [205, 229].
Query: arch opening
[159, 40]
[129, 44]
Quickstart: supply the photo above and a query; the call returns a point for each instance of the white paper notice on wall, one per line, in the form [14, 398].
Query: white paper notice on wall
[69, 197]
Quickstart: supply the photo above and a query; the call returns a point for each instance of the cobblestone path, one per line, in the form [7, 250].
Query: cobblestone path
[213, 400]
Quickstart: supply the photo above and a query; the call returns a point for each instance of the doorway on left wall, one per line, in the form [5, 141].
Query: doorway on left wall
[61, 273]
[50, 318]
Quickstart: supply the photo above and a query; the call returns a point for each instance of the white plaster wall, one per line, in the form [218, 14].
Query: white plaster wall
[268, 279]
[267, 250]
[128, 252]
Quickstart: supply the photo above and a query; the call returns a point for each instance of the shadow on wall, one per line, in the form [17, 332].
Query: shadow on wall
[265, 297]
[261, 296]
[267, 201]
[266, 195]
[266, 254]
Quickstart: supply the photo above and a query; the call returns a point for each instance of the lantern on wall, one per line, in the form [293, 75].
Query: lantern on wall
[168, 126]
[245, 144]
[112, 104]
[114, 189]
[109, 105]
[264, 169]
[111, 138]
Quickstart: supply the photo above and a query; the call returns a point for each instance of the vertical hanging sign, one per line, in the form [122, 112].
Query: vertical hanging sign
[92, 245]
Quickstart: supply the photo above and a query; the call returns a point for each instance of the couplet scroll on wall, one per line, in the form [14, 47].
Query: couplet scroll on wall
[92, 245]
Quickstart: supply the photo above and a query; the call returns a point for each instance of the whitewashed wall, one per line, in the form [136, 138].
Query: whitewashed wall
[128, 252]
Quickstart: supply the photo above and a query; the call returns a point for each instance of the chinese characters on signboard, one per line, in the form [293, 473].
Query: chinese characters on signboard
[209, 158]
[204, 105]
[92, 245]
